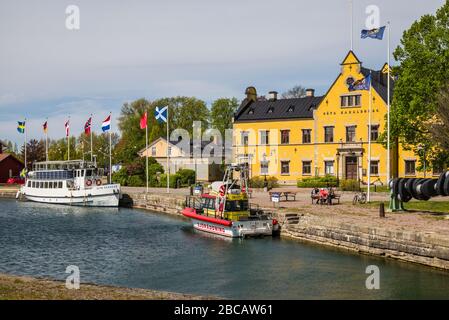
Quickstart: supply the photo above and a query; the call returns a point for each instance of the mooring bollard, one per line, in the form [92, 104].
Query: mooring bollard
[382, 210]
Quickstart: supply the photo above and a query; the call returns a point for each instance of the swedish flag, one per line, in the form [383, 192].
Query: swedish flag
[21, 126]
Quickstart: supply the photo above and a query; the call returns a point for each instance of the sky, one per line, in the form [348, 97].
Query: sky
[125, 50]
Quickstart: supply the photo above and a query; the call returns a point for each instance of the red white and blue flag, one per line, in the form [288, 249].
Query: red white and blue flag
[87, 126]
[106, 124]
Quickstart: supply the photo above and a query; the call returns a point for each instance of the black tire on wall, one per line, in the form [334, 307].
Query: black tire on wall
[404, 195]
[428, 188]
[440, 184]
[409, 186]
[419, 195]
[446, 186]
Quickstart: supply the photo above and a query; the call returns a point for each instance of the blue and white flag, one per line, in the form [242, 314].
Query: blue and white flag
[362, 84]
[161, 114]
[106, 124]
[377, 33]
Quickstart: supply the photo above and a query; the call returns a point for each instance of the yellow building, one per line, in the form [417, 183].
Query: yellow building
[297, 138]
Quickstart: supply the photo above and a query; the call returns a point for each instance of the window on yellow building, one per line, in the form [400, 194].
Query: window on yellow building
[329, 134]
[410, 167]
[374, 132]
[329, 167]
[374, 168]
[349, 101]
[350, 133]
[306, 136]
[245, 138]
[285, 136]
[285, 167]
[307, 167]
[265, 137]
[153, 151]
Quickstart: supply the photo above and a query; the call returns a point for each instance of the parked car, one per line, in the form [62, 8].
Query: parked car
[15, 180]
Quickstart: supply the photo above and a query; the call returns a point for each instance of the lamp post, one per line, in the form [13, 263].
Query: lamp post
[338, 168]
[422, 148]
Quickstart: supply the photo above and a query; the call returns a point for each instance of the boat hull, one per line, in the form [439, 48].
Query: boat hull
[231, 229]
[104, 196]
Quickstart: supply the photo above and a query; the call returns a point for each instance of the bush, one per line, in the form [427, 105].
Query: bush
[120, 176]
[259, 182]
[174, 178]
[136, 181]
[350, 185]
[317, 182]
[186, 176]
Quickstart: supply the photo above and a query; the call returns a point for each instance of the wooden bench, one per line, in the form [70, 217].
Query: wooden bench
[285, 194]
[316, 198]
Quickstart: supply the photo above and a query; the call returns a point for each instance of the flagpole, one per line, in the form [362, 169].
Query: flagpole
[68, 139]
[146, 144]
[168, 157]
[25, 143]
[46, 139]
[91, 139]
[368, 195]
[351, 6]
[110, 148]
[388, 111]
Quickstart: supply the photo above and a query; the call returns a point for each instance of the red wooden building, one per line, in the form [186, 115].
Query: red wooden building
[10, 166]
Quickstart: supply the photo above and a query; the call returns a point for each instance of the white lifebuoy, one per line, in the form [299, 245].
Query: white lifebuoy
[98, 182]
[88, 182]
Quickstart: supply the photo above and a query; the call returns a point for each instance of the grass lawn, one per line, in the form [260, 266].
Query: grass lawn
[430, 206]
[377, 189]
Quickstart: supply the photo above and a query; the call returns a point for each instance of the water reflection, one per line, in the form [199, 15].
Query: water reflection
[138, 249]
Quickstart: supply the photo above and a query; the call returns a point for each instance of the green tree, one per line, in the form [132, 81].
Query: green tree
[35, 152]
[423, 71]
[182, 112]
[295, 92]
[221, 114]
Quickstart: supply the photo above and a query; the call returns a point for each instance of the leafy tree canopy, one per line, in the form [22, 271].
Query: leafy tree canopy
[423, 71]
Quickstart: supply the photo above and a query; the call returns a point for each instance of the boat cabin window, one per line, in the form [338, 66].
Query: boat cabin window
[237, 205]
[59, 184]
[89, 172]
[29, 184]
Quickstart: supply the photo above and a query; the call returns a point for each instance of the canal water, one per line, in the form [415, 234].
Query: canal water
[133, 248]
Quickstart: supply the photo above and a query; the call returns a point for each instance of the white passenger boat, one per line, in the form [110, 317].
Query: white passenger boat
[74, 182]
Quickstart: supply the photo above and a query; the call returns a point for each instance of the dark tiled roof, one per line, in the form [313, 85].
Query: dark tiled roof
[379, 83]
[297, 108]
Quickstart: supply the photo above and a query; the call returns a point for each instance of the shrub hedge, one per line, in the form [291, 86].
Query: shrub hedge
[259, 182]
[317, 182]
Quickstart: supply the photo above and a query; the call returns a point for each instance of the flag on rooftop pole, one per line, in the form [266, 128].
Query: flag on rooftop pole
[21, 126]
[361, 84]
[161, 115]
[376, 33]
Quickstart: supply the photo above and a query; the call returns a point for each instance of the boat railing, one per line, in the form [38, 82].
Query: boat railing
[194, 203]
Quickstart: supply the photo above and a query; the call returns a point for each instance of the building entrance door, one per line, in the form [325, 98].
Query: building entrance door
[351, 168]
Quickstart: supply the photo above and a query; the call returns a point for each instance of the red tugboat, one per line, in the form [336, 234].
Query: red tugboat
[225, 210]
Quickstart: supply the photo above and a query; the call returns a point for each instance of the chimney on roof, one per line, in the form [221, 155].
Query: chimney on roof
[310, 92]
[251, 94]
[272, 96]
